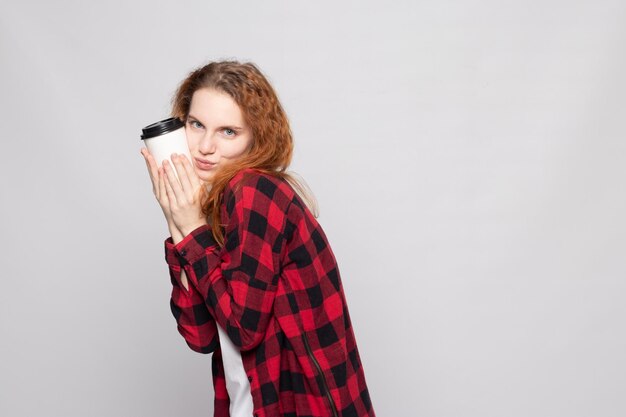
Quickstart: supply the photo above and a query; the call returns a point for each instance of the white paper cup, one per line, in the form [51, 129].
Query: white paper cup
[164, 138]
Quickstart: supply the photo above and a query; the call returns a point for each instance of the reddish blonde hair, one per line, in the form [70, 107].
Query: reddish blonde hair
[272, 141]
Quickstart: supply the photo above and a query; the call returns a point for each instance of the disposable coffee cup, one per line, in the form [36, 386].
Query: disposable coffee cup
[164, 138]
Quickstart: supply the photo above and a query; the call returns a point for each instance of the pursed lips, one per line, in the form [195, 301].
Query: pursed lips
[205, 162]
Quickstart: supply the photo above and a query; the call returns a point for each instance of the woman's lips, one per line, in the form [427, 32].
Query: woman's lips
[206, 166]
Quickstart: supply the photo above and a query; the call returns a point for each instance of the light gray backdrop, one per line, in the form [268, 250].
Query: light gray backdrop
[469, 162]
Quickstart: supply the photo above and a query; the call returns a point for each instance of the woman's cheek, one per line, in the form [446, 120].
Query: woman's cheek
[229, 151]
[191, 140]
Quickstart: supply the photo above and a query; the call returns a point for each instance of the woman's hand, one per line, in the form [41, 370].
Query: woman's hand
[186, 216]
[159, 192]
[183, 195]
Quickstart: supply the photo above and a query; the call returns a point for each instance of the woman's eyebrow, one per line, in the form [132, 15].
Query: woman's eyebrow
[232, 127]
[221, 127]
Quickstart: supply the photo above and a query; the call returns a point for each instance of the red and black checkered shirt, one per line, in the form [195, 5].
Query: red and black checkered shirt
[275, 288]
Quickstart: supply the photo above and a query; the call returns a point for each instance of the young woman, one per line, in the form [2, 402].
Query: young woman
[254, 279]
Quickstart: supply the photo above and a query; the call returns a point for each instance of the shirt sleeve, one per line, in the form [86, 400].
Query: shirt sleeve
[193, 320]
[238, 281]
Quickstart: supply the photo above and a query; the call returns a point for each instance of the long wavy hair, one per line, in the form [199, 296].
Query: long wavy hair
[272, 140]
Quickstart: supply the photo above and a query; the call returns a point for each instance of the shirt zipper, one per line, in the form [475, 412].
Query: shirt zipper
[321, 374]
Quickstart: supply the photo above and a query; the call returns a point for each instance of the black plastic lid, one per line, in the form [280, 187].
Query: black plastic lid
[161, 128]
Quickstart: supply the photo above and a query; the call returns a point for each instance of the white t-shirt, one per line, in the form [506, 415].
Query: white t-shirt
[237, 383]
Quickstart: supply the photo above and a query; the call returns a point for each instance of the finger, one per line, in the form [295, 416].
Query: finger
[163, 198]
[151, 172]
[191, 172]
[171, 194]
[153, 166]
[183, 176]
[172, 184]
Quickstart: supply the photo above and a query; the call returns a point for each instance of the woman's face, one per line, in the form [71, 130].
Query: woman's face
[216, 131]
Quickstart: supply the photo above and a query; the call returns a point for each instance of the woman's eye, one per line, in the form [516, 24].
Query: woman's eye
[229, 132]
[195, 124]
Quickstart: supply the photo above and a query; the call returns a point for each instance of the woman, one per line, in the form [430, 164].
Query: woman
[254, 278]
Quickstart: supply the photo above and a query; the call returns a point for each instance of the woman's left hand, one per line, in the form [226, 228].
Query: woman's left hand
[184, 194]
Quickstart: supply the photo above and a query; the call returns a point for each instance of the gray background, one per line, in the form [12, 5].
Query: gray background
[468, 158]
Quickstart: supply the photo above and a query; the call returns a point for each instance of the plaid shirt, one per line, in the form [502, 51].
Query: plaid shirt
[276, 290]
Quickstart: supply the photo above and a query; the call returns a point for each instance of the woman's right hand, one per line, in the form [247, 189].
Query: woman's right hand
[157, 176]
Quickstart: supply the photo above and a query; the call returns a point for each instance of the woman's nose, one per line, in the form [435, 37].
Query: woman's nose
[207, 144]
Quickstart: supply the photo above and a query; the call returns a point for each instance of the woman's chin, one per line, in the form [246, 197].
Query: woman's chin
[204, 175]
